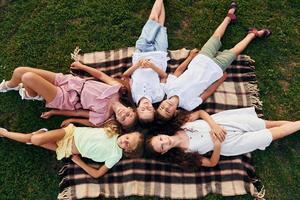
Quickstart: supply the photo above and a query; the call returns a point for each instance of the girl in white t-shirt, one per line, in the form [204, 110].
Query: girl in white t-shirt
[149, 64]
[227, 133]
[99, 144]
[201, 73]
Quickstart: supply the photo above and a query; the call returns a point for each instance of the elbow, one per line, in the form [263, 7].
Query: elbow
[214, 163]
[96, 175]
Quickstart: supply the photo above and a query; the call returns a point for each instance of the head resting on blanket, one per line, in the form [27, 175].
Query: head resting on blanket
[161, 146]
[167, 110]
[132, 143]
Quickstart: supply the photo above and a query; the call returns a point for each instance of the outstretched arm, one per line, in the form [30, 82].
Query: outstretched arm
[212, 88]
[70, 113]
[95, 173]
[182, 67]
[95, 73]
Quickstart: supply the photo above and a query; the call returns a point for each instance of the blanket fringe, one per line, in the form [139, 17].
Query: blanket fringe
[261, 194]
[252, 89]
[65, 194]
[75, 55]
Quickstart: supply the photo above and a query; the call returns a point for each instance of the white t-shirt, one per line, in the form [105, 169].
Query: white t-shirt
[245, 133]
[145, 82]
[199, 75]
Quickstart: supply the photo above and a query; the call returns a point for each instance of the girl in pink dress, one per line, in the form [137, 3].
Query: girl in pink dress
[90, 102]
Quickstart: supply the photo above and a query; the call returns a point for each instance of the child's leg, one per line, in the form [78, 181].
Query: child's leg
[162, 15]
[16, 78]
[219, 32]
[272, 124]
[148, 38]
[35, 83]
[285, 130]
[226, 57]
[38, 139]
[156, 11]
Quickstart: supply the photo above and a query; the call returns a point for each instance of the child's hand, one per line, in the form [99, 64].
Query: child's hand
[66, 122]
[145, 63]
[76, 65]
[47, 115]
[76, 158]
[219, 132]
[194, 52]
[215, 140]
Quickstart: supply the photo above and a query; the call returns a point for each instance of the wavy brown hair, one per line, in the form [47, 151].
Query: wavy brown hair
[125, 91]
[190, 160]
[177, 156]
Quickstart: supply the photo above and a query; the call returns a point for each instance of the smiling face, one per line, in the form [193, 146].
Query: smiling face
[145, 110]
[129, 142]
[161, 143]
[125, 116]
[167, 109]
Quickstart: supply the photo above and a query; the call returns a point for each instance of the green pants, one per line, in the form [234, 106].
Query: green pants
[221, 58]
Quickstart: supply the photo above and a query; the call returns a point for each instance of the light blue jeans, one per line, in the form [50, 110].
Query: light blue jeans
[153, 38]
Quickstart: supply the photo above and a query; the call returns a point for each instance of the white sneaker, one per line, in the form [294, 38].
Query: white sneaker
[4, 130]
[24, 95]
[5, 88]
[42, 130]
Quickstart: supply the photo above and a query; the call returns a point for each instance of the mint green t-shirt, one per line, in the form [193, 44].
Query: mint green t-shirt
[94, 143]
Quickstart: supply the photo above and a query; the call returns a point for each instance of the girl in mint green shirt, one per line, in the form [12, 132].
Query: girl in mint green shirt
[99, 144]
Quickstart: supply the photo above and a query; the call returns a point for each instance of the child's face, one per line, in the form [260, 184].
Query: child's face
[167, 109]
[125, 116]
[162, 143]
[128, 142]
[145, 110]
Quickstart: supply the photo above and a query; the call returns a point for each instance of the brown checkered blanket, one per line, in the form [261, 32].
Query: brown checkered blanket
[142, 177]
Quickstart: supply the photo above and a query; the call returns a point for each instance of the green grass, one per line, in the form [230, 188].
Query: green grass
[42, 33]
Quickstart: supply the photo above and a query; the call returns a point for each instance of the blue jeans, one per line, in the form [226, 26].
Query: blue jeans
[153, 38]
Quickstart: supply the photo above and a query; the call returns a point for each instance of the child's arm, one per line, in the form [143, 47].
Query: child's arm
[215, 157]
[95, 73]
[70, 113]
[181, 68]
[212, 88]
[147, 64]
[95, 173]
[216, 129]
[131, 69]
[84, 122]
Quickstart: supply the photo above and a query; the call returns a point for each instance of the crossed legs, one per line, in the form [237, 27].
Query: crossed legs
[46, 140]
[35, 81]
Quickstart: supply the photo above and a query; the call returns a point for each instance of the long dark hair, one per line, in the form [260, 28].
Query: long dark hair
[177, 156]
[125, 91]
[189, 160]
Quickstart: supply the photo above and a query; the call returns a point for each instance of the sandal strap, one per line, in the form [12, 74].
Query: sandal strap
[233, 4]
[232, 17]
[267, 33]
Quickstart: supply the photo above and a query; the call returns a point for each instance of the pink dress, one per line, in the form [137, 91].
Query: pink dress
[75, 93]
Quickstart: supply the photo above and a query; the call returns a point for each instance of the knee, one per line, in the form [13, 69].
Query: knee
[28, 77]
[153, 17]
[36, 140]
[19, 71]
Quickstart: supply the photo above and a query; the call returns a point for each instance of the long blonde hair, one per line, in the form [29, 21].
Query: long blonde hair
[111, 128]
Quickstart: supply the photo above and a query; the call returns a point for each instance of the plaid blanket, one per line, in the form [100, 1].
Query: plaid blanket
[143, 177]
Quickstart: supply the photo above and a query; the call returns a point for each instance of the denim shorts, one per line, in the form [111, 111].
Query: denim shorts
[153, 38]
[223, 58]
